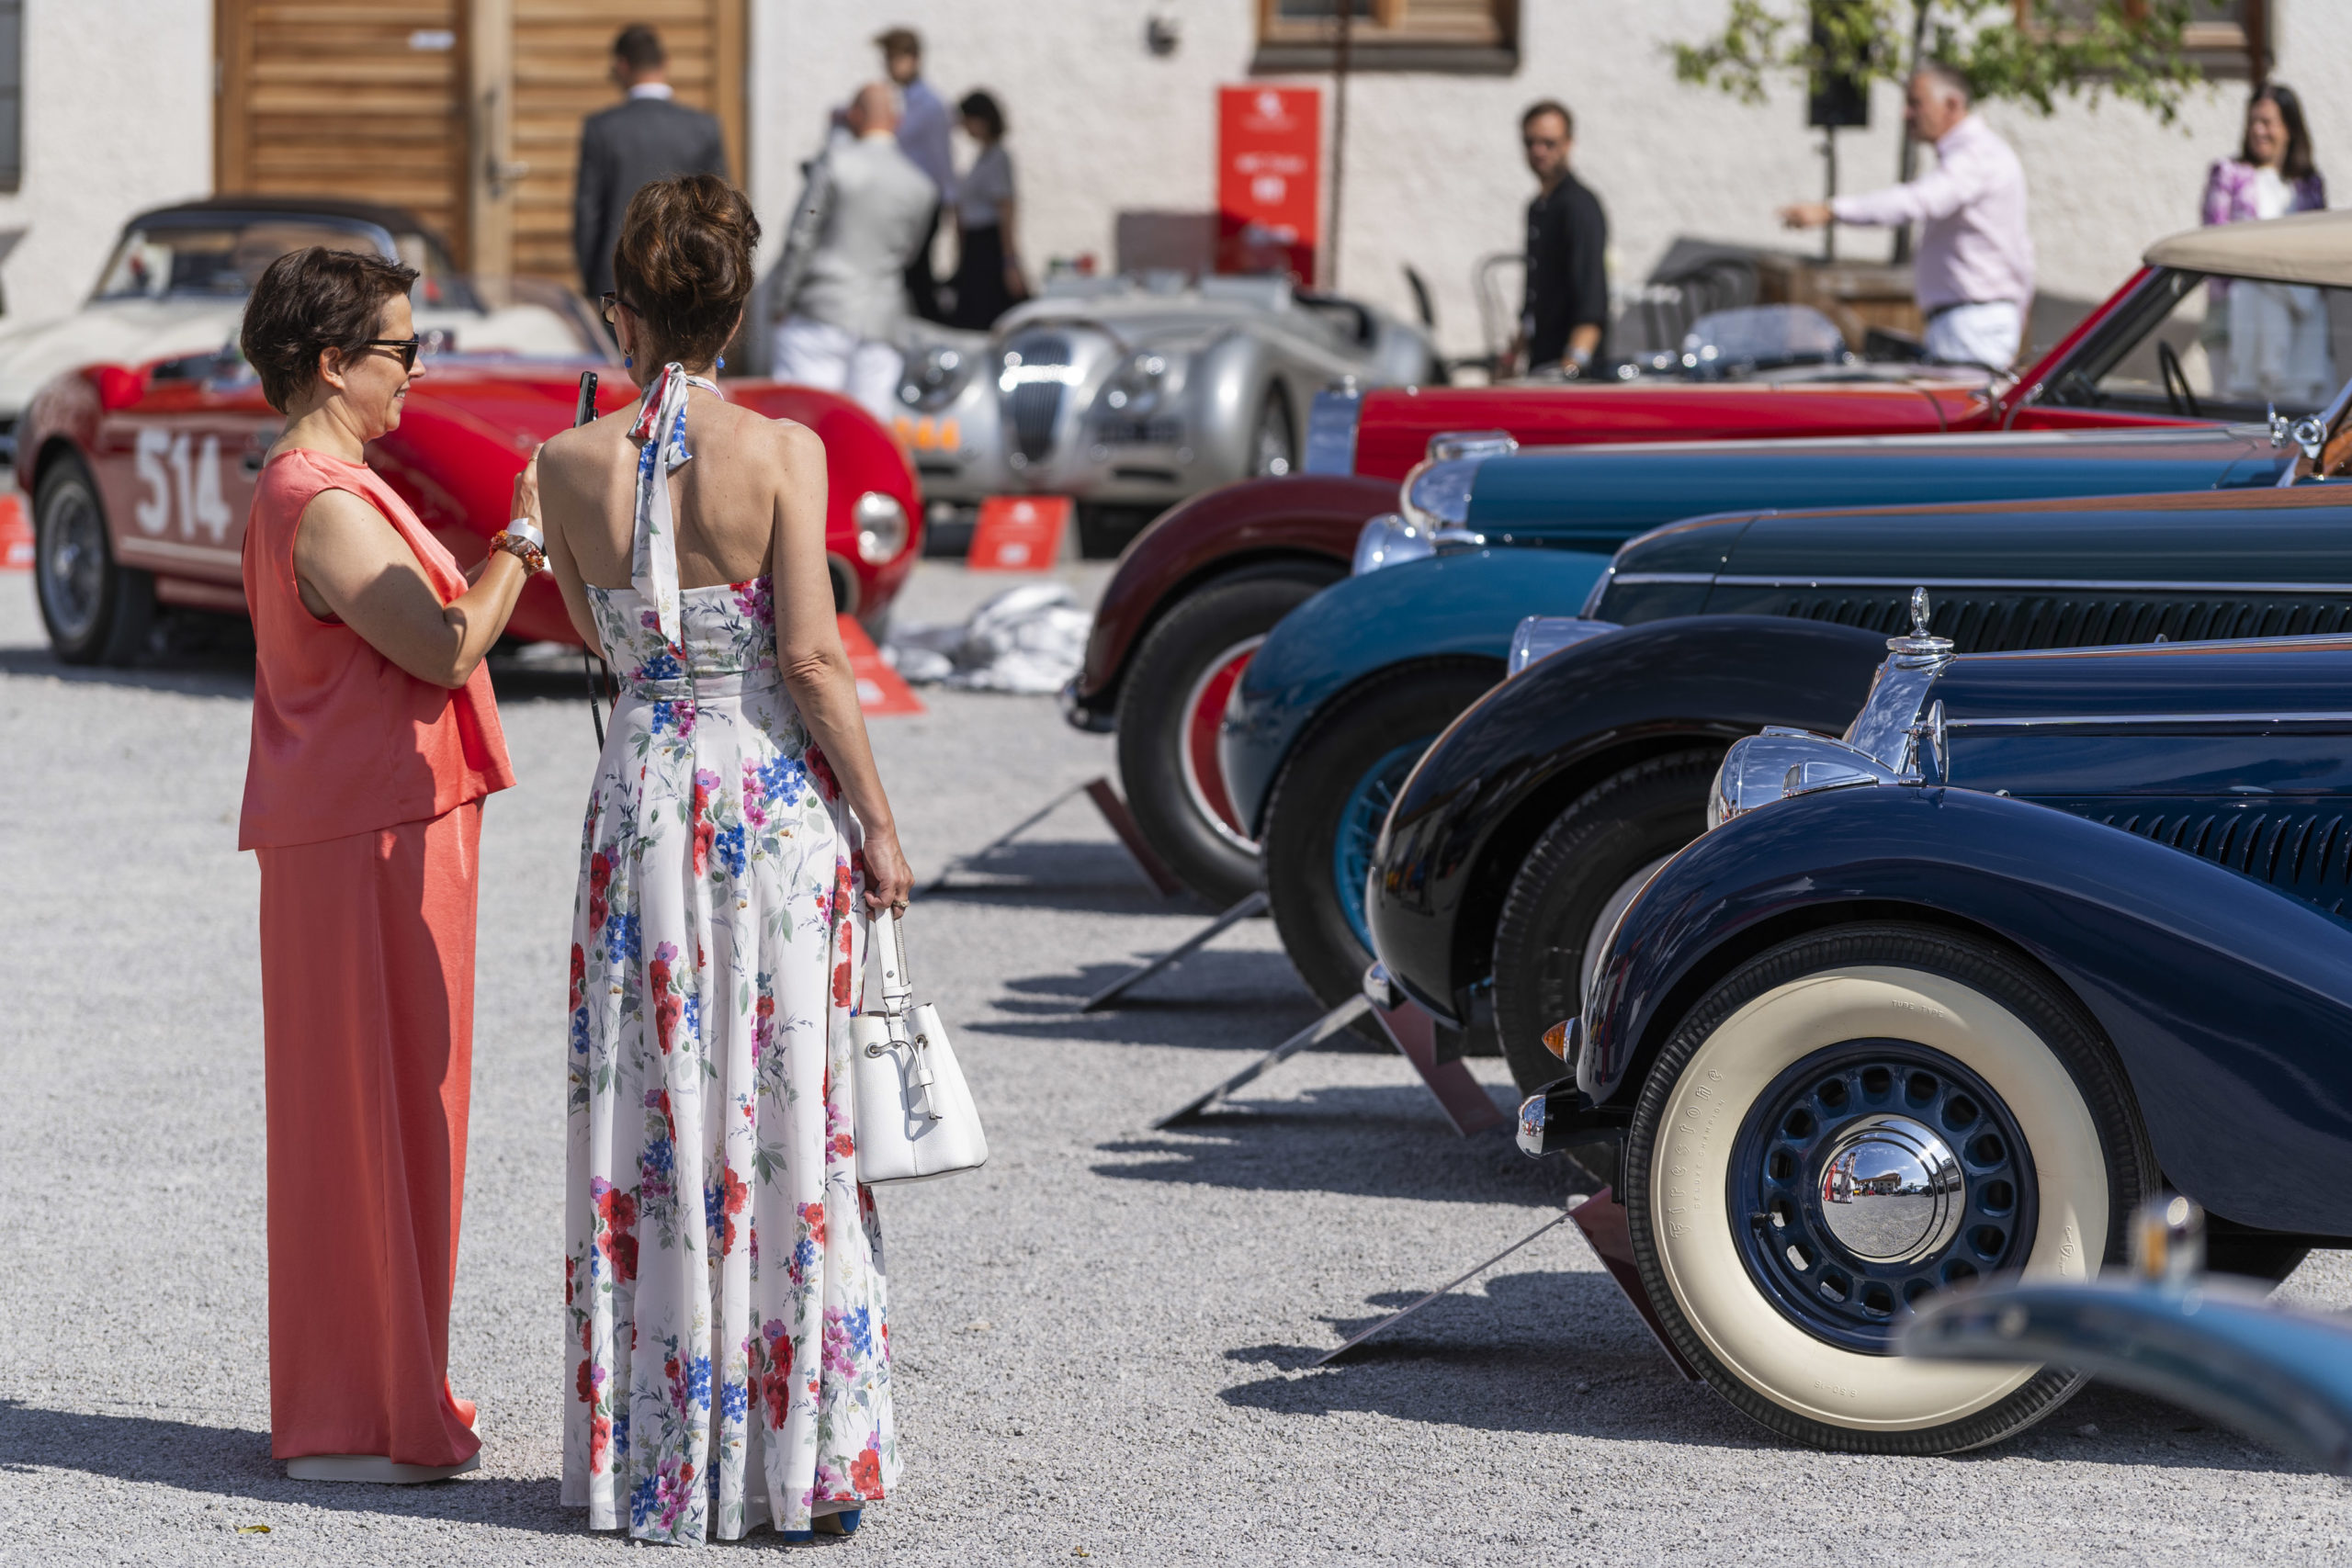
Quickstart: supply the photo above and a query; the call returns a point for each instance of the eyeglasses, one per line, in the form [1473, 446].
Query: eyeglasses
[612, 306]
[407, 347]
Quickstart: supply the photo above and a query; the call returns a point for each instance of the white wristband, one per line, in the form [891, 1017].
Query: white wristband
[524, 528]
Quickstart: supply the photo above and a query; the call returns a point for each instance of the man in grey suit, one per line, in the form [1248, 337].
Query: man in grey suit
[646, 137]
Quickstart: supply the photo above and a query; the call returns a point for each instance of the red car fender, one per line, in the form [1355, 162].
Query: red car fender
[1304, 517]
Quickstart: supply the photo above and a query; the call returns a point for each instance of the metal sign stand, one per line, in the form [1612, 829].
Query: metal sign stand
[1254, 905]
[1114, 811]
[1393, 1318]
[1315, 1033]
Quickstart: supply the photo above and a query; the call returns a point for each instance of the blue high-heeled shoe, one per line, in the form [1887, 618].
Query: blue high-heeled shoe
[843, 1523]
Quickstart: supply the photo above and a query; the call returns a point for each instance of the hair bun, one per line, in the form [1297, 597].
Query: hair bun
[684, 263]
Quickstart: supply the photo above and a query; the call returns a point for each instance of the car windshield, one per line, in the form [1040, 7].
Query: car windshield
[223, 258]
[482, 319]
[2196, 346]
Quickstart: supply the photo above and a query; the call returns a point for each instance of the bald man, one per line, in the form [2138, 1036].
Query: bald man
[1974, 276]
[842, 293]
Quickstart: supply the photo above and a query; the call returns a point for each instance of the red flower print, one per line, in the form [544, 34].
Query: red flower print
[600, 880]
[667, 1004]
[704, 830]
[736, 1193]
[582, 1382]
[822, 771]
[866, 1476]
[579, 974]
[812, 1220]
[841, 985]
[600, 1442]
[618, 1211]
[842, 1145]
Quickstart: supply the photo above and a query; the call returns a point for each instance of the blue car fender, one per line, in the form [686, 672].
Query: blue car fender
[1445, 605]
[2229, 1003]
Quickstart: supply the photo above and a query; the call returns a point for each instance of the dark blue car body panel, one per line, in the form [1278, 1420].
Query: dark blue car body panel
[1550, 519]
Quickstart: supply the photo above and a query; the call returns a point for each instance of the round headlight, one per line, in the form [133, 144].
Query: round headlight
[881, 526]
[1388, 540]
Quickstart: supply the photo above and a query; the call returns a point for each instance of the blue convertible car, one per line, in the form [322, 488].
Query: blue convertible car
[1945, 998]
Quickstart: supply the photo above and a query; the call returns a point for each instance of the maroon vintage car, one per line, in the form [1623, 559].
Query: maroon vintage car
[1199, 588]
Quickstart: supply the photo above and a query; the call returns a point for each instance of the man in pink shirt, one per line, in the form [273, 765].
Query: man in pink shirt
[1975, 274]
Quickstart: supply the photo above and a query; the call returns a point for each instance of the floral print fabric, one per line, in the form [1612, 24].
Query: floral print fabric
[723, 1285]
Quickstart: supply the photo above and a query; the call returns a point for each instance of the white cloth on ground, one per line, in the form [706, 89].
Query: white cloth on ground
[1029, 640]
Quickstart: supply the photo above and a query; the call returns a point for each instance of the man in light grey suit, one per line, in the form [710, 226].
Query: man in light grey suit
[840, 290]
[646, 137]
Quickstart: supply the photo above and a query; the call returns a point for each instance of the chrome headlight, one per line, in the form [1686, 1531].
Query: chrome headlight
[1136, 389]
[1331, 421]
[881, 526]
[1782, 763]
[933, 378]
[1389, 540]
[1435, 497]
[1540, 636]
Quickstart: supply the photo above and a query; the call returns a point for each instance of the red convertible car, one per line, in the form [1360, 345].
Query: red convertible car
[140, 474]
[1199, 589]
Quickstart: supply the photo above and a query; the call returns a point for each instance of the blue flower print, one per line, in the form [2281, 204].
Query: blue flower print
[734, 1400]
[729, 844]
[783, 779]
[621, 937]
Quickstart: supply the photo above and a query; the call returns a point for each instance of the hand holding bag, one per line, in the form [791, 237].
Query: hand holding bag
[915, 1119]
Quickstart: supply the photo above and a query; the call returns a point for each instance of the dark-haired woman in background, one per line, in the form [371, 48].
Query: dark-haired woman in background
[375, 737]
[988, 263]
[729, 1358]
[2269, 340]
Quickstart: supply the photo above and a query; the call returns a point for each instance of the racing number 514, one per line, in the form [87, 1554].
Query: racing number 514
[195, 488]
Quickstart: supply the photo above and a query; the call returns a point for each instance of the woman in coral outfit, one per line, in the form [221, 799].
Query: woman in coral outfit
[375, 740]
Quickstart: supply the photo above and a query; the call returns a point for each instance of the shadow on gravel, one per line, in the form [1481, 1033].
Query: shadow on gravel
[212, 675]
[1260, 984]
[1359, 1141]
[228, 1461]
[1084, 868]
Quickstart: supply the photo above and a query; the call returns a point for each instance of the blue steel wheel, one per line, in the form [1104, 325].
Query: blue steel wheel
[1871, 1173]
[1361, 816]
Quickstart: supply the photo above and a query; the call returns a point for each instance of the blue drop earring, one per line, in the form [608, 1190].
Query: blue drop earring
[629, 362]
[722, 362]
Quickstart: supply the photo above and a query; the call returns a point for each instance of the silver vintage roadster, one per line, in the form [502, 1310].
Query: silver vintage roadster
[1130, 393]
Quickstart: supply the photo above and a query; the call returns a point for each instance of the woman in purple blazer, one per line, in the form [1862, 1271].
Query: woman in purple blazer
[2269, 340]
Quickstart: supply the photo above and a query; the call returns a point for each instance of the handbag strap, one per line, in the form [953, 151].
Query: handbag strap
[897, 983]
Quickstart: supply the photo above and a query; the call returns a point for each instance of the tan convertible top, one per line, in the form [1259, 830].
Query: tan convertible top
[2310, 247]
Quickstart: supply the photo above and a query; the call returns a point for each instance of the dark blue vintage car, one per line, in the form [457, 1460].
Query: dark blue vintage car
[1521, 835]
[1943, 1000]
[1350, 687]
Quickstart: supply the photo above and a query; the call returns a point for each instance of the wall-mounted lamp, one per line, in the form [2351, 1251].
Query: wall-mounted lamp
[1162, 34]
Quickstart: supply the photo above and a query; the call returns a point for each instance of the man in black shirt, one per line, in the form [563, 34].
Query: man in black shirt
[1566, 311]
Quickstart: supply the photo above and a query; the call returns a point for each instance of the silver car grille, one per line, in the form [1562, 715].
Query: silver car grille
[1035, 406]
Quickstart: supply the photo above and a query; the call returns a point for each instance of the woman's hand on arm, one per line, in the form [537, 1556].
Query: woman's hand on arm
[815, 666]
[352, 565]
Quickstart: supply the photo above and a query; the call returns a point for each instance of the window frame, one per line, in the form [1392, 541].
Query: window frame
[1383, 40]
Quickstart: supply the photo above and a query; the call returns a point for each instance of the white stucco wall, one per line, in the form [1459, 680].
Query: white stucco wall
[117, 117]
[1433, 171]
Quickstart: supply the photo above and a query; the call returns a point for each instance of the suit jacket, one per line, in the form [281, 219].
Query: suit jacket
[868, 210]
[622, 148]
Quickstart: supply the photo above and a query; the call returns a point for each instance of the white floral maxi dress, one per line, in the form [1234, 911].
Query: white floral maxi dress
[723, 1276]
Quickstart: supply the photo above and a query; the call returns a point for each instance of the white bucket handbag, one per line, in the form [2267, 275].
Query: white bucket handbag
[915, 1119]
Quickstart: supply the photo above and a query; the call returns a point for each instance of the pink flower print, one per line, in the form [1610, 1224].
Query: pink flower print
[754, 797]
[600, 881]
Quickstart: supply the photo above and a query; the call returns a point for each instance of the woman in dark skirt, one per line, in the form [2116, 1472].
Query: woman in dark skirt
[988, 263]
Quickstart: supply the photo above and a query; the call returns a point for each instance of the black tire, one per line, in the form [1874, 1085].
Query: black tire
[95, 610]
[1613, 831]
[1273, 448]
[1164, 789]
[1763, 1054]
[1407, 707]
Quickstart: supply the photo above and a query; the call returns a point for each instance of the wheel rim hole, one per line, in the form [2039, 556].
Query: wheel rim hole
[1878, 1299]
[1781, 1167]
[1799, 1125]
[1914, 1290]
[1832, 1094]
[1920, 1089]
[1988, 1240]
[1986, 1148]
[1959, 1271]
[1835, 1286]
[1958, 1112]
[1799, 1259]
[1997, 1197]
[1877, 1082]
[1784, 1212]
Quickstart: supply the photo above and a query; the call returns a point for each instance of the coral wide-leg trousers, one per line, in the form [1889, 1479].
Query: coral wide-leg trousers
[367, 1008]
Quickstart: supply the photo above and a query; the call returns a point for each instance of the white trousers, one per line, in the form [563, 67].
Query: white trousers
[1977, 335]
[817, 354]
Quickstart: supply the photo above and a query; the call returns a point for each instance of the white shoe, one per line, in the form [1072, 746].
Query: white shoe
[373, 1467]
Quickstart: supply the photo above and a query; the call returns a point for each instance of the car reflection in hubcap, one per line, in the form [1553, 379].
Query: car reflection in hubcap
[1868, 1175]
[70, 566]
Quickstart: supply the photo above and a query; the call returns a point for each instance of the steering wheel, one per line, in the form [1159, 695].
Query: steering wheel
[2183, 401]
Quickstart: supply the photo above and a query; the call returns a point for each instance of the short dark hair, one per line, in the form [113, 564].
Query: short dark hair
[2296, 163]
[639, 47]
[899, 40]
[983, 106]
[1543, 106]
[309, 301]
[684, 264]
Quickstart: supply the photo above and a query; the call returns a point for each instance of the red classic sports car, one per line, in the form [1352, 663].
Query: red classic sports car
[140, 474]
[1201, 587]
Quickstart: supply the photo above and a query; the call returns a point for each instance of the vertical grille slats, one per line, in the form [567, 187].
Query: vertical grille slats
[2303, 850]
[2013, 623]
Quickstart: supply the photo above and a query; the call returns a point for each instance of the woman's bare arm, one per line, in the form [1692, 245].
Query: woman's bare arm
[816, 667]
[350, 565]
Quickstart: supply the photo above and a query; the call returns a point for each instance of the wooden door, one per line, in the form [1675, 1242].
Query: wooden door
[363, 100]
[561, 52]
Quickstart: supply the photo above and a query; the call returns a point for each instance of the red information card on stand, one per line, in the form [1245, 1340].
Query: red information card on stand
[880, 690]
[15, 535]
[1018, 533]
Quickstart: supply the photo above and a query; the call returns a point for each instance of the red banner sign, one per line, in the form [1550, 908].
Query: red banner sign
[1269, 179]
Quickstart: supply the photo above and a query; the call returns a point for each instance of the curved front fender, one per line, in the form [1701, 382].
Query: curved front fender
[1475, 806]
[2229, 1003]
[1455, 605]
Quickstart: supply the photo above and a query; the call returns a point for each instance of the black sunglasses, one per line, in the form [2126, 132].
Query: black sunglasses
[408, 348]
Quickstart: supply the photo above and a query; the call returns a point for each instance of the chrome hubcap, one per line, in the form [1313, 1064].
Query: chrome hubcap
[70, 561]
[1892, 1190]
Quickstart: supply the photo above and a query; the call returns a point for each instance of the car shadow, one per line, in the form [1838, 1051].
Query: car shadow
[1562, 1353]
[210, 666]
[1359, 1141]
[233, 1461]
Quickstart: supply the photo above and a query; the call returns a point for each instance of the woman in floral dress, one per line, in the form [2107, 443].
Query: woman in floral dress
[729, 1353]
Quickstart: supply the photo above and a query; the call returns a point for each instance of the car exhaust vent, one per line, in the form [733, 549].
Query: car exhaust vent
[1987, 623]
[1034, 407]
[2306, 851]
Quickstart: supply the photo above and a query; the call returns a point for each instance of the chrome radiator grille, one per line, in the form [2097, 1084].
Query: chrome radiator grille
[1034, 406]
[2303, 850]
[2005, 623]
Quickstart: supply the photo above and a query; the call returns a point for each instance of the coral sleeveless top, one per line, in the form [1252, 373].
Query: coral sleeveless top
[345, 740]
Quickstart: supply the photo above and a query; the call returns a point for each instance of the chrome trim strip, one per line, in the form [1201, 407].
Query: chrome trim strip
[1642, 577]
[171, 549]
[2143, 720]
[2104, 585]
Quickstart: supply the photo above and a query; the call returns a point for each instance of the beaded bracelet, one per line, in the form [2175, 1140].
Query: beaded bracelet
[523, 548]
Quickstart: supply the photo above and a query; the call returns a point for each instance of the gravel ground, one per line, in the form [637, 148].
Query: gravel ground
[1102, 1338]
